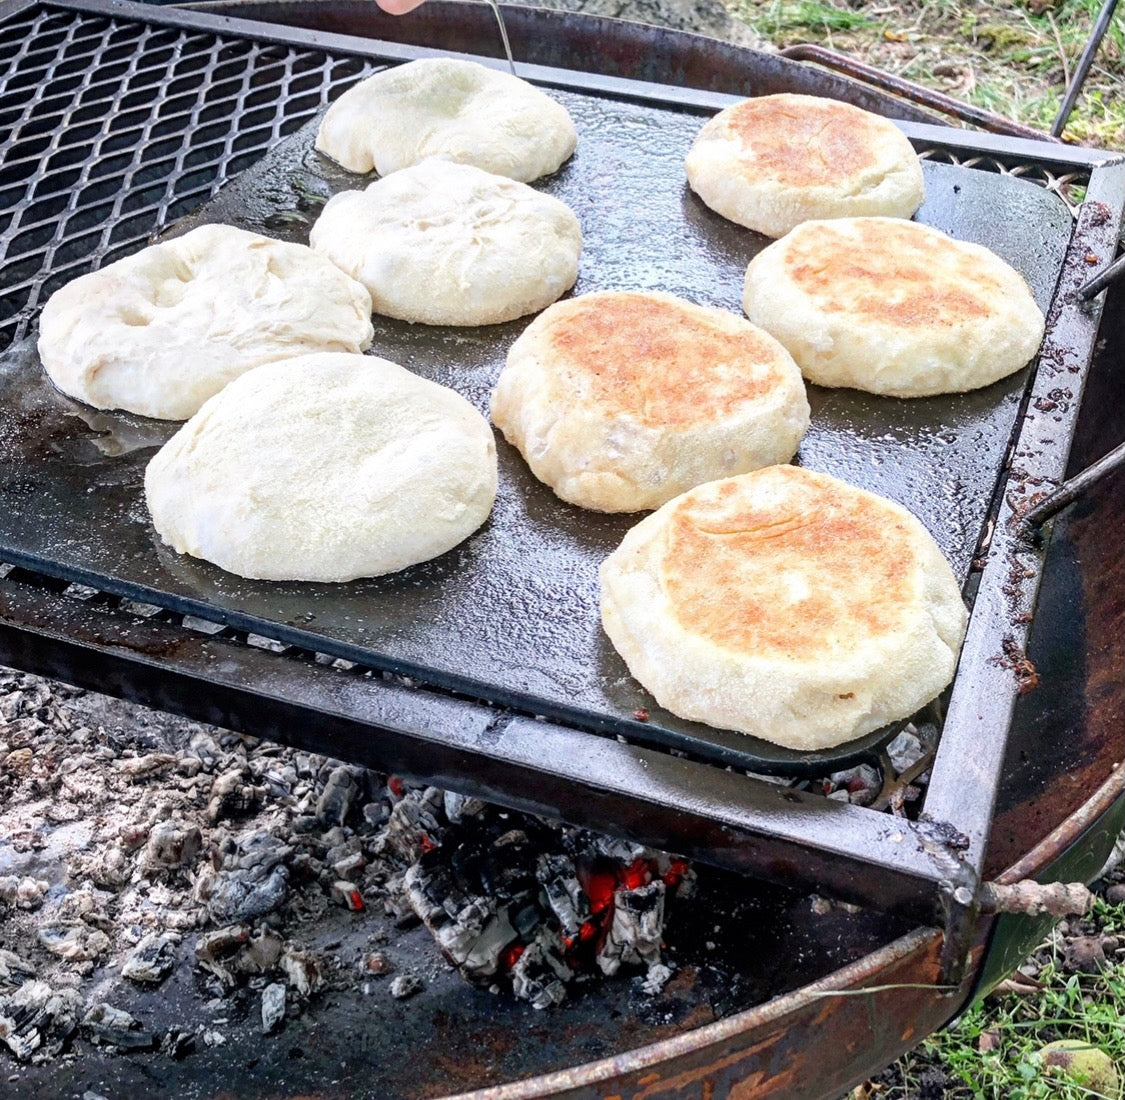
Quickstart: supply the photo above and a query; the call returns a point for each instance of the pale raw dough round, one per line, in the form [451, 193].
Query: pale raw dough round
[621, 400]
[893, 307]
[775, 161]
[324, 468]
[784, 604]
[447, 244]
[159, 332]
[455, 109]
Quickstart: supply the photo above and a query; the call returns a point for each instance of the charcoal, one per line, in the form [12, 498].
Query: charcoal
[861, 783]
[273, 1007]
[655, 979]
[508, 868]
[215, 950]
[405, 985]
[540, 976]
[636, 930]
[347, 894]
[336, 799]
[172, 846]
[377, 964]
[74, 941]
[376, 813]
[37, 1020]
[142, 767]
[176, 1043]
[302, 971]
[906, 749]
[260, 955]
[564, 893]
[472, 932]
[14, 971]
[152, 960]
[105, 1025]
[233, 796]
[460, 807]
[252, 880]
[413, 827]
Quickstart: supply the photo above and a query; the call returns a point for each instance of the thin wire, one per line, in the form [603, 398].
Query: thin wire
[503, 34]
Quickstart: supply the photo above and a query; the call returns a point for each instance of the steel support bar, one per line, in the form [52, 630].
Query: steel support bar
[697, 810]
[965, 778]
[1073, 488]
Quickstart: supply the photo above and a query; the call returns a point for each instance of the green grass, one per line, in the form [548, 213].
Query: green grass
[1013, 57]
[990, 1052]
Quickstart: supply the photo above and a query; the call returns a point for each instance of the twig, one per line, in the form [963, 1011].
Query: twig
[1057, 899]
[1062, 50]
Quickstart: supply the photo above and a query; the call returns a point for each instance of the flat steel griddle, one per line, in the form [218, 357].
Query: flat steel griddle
[510, 616]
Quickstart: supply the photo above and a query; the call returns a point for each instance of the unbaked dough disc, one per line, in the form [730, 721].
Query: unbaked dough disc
[324, 468]
[621, 400]
[445, 107]
[159, 332]
[448, 244]
[784, 604]
[774, 161]
[893, 307]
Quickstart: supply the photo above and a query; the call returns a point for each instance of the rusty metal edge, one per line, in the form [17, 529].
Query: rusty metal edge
[1035, 861]
[915, 93]
[842, 983]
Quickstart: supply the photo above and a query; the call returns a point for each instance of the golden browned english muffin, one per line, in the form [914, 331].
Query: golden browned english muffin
[621, 400]
[785, 604]
[775, 161]
[892, 307]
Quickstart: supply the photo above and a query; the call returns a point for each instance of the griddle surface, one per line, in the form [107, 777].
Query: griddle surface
[511, 615]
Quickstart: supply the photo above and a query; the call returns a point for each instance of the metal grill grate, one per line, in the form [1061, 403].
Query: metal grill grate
[113, 128]
[1069, 186]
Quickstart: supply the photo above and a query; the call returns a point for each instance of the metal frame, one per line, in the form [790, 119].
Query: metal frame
[928, 870]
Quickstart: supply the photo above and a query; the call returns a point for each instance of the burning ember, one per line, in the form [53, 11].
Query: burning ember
[508, 897]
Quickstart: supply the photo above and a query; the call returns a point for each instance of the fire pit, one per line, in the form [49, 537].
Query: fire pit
[127, 119]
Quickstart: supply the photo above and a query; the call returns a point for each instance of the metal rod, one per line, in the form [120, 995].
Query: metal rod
[927, 97]
[1105, 16]
[1103, 278]
[1071, 490]
[504, 34]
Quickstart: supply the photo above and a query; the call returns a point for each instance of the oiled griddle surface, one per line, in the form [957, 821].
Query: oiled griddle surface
[511, 615]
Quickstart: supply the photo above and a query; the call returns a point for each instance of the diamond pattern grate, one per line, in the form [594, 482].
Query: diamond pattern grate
[1069, 186]
[110, 129]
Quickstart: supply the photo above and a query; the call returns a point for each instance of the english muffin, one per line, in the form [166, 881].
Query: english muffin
[161, 331]
[772, 162]
[324, 468]
[448, 244]
[893, 307]
[621, 400]
[455, 109]
[784, 604]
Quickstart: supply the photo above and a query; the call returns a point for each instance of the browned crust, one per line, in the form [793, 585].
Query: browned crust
[664, 363]
[731, 552]
[801, 141]
[890, 272]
